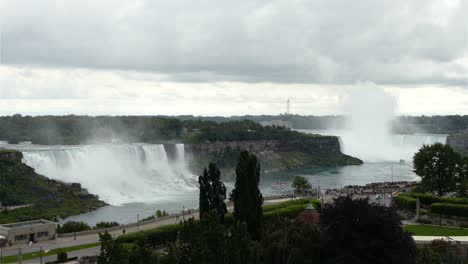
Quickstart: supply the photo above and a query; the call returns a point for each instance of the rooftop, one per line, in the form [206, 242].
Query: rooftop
[27, 223]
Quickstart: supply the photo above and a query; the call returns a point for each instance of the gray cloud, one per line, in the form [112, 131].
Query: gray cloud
[334, 41]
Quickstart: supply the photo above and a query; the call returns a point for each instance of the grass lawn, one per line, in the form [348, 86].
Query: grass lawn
[424, 230]
[33, 255]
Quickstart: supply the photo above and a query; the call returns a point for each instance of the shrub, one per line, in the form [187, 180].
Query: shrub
[162, 213]
[73, 226]
[106, 225]
[157, 236]
[405, 202]
[62, 257]
[450, 209]
[291, 211]
[428, 199]
[302, 201]
[425, 221]
[168, 233]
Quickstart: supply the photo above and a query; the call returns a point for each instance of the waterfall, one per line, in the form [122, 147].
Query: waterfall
[117, 173]
[392, 147]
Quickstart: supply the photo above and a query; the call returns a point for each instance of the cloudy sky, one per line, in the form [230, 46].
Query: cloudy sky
[230, 57]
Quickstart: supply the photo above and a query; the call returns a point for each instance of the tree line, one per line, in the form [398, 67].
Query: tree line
[73, 130]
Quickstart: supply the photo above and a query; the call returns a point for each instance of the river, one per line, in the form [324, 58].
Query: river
[138, 179]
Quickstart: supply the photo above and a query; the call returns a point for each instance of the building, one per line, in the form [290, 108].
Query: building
[24, 232]
[310, 215]
[277, 123]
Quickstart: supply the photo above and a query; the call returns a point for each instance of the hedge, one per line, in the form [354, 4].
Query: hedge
[450, 209]
[290, 212]
[405, 202]
[163, 234]
[428, 199]
[156, 236]
[302, 201]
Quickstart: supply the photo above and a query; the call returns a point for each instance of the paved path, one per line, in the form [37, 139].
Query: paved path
[62, 242]
[88, 239]
[79, 253]
[428, 239]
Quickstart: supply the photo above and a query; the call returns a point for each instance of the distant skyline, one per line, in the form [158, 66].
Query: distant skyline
[230, 58]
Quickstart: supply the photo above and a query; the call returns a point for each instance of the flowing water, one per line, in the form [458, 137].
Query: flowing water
[119, 174]
[138, 179]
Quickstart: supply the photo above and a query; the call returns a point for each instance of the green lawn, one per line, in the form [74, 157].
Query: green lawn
[424, 230]
[33, 255]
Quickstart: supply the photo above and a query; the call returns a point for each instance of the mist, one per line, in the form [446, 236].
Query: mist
[119, 174]
[370, 112]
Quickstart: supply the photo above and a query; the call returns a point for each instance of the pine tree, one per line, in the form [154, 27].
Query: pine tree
[247, 197]
[212, 193]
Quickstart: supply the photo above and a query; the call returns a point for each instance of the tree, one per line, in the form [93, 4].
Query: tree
[111, 251]
[462, 180]
[300, 184]
[438, 165]
[287, 241]
[62, 257]
[208, 241]
[355, 231]
[212, 193]
[248, 199]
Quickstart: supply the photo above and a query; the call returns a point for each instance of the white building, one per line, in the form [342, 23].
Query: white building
[277, 123]
[24, 232]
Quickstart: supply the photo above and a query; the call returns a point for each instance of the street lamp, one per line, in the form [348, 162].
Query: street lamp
[138, 222]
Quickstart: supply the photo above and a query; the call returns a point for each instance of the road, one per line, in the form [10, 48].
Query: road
[93, 238]
[62, 242]
[88, 239]
[79, 253]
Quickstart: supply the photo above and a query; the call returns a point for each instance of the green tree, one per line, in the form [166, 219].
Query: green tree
[62, 257]
[355, 231]
[212, 193]
[248, 199]
[287, 241]
[300, 184]
[438, 165]
[111, 251]
[462, 180]
[73, 226]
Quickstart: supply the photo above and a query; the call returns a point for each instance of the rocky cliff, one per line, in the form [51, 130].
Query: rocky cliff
[45, 198]
[274, 155]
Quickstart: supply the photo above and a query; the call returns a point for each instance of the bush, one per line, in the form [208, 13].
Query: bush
[73, 226]
[168, 233]
[291, 212]
[106, 225]
[425, 221]
[157, 236]
[405, 202]
[62, 257]
[428, 199]
[302, 201]
[450, 209]
[160, 213]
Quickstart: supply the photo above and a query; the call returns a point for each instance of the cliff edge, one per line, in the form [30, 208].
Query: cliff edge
[274, 155]
[26, 195]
